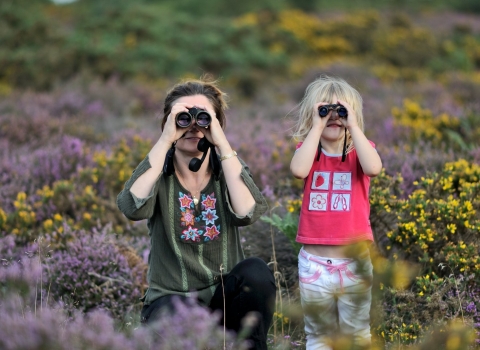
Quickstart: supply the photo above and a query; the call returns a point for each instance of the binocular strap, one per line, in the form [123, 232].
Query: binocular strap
[344, 152]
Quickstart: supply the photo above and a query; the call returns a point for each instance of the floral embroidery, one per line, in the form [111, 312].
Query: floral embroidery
[192, 234]
[209, 202]
[187, 218]
[318, 202]
[211, 233]
[198, 226]
[209, 216]
[185, 201]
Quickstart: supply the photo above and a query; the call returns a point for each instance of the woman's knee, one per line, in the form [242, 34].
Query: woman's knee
[255, 272]
[160, 306]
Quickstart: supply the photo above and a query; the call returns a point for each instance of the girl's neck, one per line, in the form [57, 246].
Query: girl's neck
[333, 147]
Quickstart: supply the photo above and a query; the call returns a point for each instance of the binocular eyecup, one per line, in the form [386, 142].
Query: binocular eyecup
[201, 116]
[323, 111]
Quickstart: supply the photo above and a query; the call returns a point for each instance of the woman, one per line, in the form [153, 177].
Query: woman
[193, 216]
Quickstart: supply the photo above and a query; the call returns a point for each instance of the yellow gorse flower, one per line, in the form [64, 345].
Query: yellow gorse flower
[48, 225]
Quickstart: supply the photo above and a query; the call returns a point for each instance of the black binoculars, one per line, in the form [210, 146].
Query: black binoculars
[201, 116]
[325, 109]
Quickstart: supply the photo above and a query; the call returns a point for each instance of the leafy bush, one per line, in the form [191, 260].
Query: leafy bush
[443, 130]
[92, 273]
[194, 327]
[406, 47]
[128, 40]
[287, 223]
[468, 6]
[30, 43]
[69, 185]
[135, 40]
[411, 318]
[29, 322]
[438, 221]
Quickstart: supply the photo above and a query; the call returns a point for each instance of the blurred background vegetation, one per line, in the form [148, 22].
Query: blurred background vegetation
[245, 42]
[81, 88]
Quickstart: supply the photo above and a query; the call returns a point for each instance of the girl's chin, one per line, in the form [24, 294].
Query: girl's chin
[192, 139]
[333, 134]
[332, 141]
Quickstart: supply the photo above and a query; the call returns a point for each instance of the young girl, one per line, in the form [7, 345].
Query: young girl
[336, 161]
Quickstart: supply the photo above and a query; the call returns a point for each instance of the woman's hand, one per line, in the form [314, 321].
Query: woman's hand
[214, 132]
[171, 132]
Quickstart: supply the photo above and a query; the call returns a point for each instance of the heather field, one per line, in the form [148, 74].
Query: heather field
[81, 91]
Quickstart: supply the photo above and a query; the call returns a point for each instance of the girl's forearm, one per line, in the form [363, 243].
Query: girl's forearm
[367, 154]
[303, 158]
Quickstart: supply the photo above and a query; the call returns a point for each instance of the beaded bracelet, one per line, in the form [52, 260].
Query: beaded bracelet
[230, 155]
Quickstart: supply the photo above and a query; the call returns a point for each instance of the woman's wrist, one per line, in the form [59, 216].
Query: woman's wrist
[227, 156]
[164, 141]
[224, 148]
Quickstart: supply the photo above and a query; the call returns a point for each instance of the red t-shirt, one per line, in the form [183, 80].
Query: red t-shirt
[335, 208]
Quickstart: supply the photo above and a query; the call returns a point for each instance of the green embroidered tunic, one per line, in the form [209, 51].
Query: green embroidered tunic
[191, 246]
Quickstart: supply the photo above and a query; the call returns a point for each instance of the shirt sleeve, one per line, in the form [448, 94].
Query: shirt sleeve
[131, 206]
[258, 209]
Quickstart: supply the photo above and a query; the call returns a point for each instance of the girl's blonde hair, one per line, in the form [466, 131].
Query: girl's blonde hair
[326, 89]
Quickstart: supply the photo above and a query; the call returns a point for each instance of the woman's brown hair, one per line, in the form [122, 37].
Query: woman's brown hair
[197, 87]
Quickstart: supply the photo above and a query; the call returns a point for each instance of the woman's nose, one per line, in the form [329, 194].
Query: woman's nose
[194, 127]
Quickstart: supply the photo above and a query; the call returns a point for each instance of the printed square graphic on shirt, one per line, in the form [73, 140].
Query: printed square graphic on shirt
[340, 202]
[318, 201]
[320, 180]
[342, 181]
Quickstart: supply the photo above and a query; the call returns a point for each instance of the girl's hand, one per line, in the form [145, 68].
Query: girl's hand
[351, 120]
[320, 122]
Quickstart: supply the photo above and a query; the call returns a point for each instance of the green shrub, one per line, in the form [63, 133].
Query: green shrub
[418, 124]
[31, 44]
[405, 47]
[438, 223]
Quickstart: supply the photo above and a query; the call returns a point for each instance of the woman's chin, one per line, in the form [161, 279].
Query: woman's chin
[189, 151]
